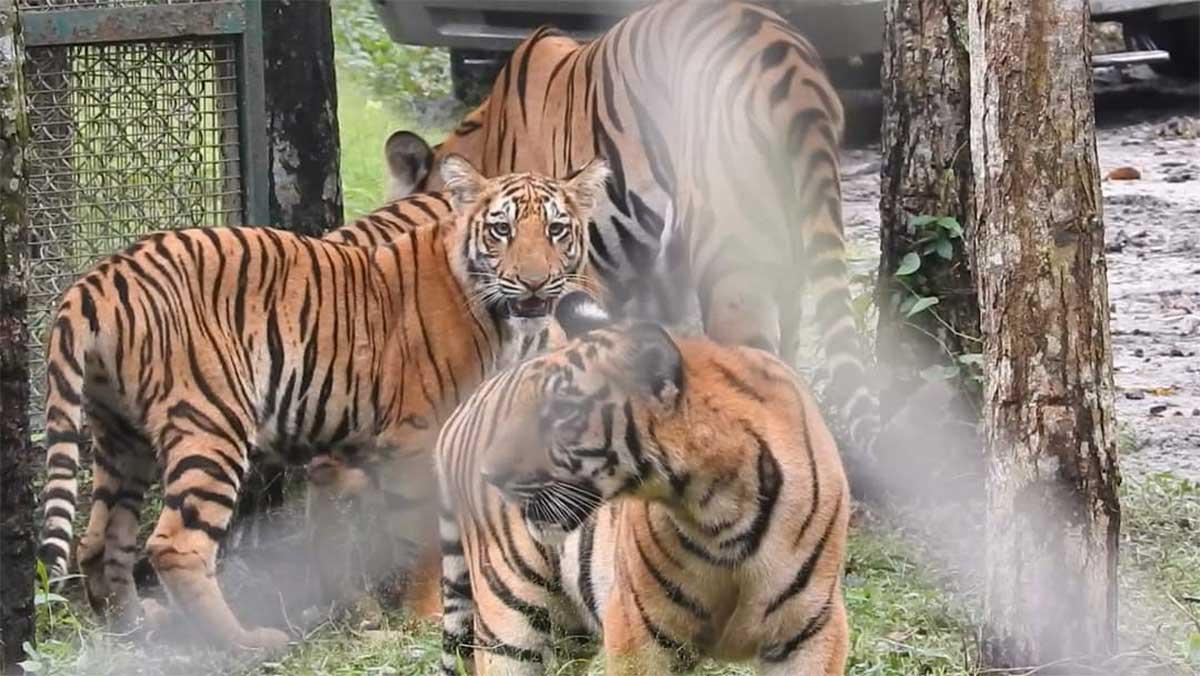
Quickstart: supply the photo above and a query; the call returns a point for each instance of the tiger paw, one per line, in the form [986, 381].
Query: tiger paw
[263, 638]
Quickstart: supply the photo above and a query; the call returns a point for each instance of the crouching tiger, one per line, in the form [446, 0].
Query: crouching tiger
[728, 541]
[192, 347]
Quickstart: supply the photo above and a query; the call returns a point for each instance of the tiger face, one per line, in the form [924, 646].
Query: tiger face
[585, 427]
[522, 237]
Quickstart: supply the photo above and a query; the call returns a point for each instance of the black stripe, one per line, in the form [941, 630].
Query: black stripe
[800, 582]
[670, 589]
[779, 652]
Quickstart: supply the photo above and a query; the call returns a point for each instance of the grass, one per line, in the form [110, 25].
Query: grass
[902, 621]
[365, 122]
[901, 624]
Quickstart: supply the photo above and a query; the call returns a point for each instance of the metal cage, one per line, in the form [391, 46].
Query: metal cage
[144, 116]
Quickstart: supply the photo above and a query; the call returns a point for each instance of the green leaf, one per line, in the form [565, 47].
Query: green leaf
[1193, 648]
[921, 221]
[939, 372]
[862, 303]
[950, 225]
[921, 304]
[31, 666]
[945, 249]
[909, 264]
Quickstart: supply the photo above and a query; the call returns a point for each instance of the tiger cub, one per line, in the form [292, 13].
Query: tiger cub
[681, 498]
[193, 347]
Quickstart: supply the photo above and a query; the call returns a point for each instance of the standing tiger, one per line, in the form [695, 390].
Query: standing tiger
[722, 131]
[682, 498]
[193, 347]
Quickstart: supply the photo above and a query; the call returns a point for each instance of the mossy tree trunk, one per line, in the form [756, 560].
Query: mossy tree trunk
[926, 172]
[1053, 512]
[17, 464]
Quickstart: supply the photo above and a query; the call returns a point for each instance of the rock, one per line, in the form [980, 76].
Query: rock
[1179, 177]
[1176, 352]
[1135, 394]
[1139, 352]
[1196, 412]
[1158, 409]
[1124, 174]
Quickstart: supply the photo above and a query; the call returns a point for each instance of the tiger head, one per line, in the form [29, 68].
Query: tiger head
[522, 237]
[588, 422]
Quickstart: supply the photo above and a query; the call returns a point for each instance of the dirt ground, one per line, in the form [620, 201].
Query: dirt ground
[1152, 229]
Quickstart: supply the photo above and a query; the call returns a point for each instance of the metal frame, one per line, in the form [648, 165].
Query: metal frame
[61, 26]
[253, 122]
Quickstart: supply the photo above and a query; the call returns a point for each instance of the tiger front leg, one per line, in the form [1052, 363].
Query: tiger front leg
[740, 308]
[819, 646]
[335, 495]
[634, 645]
[200, 491]
[512, 628]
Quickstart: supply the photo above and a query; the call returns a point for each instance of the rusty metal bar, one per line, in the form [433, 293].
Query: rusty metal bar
[59, 26]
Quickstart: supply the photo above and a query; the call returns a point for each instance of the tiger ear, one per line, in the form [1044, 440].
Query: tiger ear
[464, 183]
[409, 161]
[586, 186]
[655, 366]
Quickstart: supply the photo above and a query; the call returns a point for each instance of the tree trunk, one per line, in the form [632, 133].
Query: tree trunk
[1053, 512]
[301, 94]
[305, 185]
[16, 457]
[926, 171]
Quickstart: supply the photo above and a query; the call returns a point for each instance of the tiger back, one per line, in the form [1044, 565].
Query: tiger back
[192, 347]
[680, 498]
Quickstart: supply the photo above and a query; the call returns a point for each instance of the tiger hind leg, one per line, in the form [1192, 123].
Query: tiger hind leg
[108, 550]
[200, 491]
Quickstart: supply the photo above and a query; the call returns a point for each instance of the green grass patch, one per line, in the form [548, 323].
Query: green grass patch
[1160, 571]
[900, 624]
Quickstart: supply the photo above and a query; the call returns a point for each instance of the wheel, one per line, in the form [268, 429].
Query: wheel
[472, 72]
[1178, 37]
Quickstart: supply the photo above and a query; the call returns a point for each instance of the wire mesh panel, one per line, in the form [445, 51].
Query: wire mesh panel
[127, 138]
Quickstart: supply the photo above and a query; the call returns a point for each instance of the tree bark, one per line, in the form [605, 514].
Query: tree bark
[301, 94]
[17, 562]
[1053, 512]
[926, 171]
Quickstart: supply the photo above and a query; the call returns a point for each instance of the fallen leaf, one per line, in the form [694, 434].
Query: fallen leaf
[1124, 174]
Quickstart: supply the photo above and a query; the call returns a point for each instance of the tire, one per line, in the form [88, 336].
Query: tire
[1178, 37]
[472, 73]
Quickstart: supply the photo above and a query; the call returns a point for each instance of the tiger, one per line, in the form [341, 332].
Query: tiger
[680, 497]
[723, 131]
[398, 217]
[331, 480]
[193, 347]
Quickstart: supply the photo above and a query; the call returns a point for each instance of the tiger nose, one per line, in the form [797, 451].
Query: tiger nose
[534, 283]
